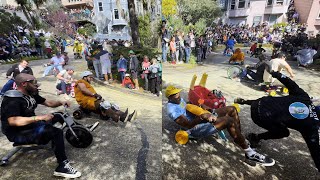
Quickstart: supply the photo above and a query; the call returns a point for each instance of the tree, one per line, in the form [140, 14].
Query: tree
[38, 3]
[25, 7]
[193, 10]
[134, 23]
[60, 22]
[88, 29]
[169, 8]
[145, 32]
[9, 22]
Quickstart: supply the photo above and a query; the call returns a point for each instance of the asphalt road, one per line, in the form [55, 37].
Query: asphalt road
[212, 158]
[118, 151]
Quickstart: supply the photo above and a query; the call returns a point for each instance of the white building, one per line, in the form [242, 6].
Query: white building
[254, 11]
[111, 19]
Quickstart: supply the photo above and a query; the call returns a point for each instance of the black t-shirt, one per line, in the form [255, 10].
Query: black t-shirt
[18, 106]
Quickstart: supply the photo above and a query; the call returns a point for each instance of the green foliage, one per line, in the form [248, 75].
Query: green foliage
[146, 36]
[193, 59]
[282, 24]
[169, 8]
[200, 26]
[193, 10]
[177, 24]
[88, 29]
[9, 21]
[140, 52]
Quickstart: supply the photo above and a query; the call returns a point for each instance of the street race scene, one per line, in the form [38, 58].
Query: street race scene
[240, 89]
[160, 89]
[80, 89]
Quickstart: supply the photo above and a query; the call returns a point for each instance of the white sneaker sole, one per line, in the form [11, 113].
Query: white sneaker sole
[134, 116]
[78, 174]
[94, 126]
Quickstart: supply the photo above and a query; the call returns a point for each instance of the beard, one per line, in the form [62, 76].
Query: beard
[32, 90]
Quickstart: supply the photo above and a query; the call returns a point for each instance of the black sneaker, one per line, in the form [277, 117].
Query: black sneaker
[124, 117]
[66, 170]
[261, 159]
[253, 140]
[132, 116]
[239, 101]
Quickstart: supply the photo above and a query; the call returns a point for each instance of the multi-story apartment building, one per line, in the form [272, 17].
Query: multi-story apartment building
[253, 12]
[309, 12]
[111, 18]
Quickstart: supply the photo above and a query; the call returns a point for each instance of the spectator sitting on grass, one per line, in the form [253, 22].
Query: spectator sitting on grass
[127, 83]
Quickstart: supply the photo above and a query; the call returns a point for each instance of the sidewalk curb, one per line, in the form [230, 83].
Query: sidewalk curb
[100, 82]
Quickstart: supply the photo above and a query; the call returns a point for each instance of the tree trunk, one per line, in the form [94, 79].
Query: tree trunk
[134, 23]
[27, 15]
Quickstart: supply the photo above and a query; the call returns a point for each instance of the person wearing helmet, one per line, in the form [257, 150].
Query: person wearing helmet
[77, 48]
[277, 114]
[199, 122]
[88, 99]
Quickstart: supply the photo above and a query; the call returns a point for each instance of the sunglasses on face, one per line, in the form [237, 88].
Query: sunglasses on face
[34, 82]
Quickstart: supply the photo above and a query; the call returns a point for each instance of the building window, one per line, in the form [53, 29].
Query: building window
[116, 14]
[273, 19]
[233, 4]
[242, 3]
[257, 20]
[279, 2]
[123, 14]
[100, 6]
[269, 2]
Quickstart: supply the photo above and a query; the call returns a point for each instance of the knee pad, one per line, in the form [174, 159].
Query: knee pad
[105, 105]
[115, 107]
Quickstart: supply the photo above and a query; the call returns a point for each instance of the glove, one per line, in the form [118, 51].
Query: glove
[97, 96]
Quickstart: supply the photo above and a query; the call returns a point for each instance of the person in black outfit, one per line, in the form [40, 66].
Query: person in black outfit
[277, 114]
[22, 126]
[16, 69]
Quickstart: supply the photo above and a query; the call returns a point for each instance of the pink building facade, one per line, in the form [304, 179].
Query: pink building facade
[309, 12]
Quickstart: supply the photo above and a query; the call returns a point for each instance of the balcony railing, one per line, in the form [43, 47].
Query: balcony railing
[119, 22]
[275, 10]
[239, 12]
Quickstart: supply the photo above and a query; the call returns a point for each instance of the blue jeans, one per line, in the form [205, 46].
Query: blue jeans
[146, 81]
[7, 86]
[63, 87]
[39, 51]
[231, 47]
[49, 68]
[97, 68]
[122, 74]
[188, 53]
[164, 52]
[202, 130]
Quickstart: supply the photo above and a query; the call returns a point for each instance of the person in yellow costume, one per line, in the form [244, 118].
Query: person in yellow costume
[77, 47]
[199, 122]
[237, 57]
[90, 100]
